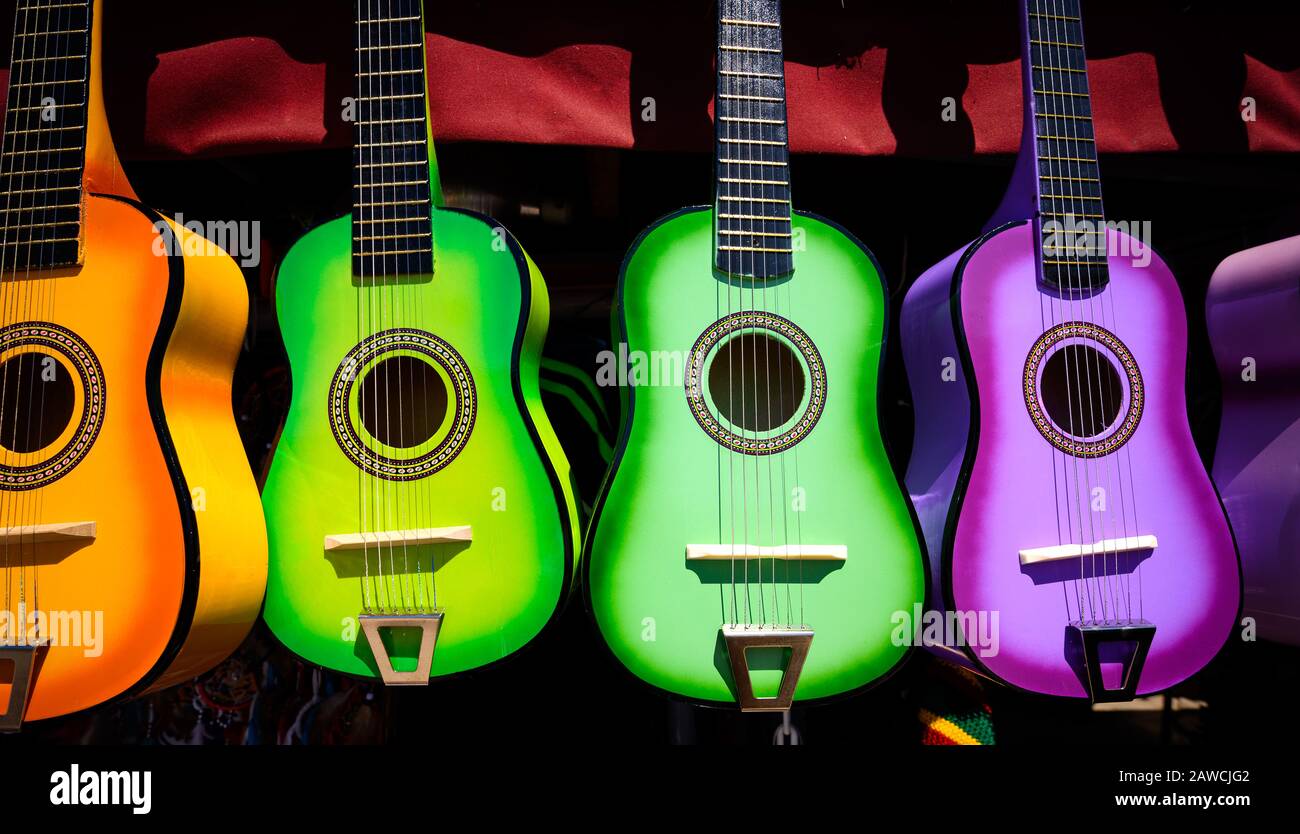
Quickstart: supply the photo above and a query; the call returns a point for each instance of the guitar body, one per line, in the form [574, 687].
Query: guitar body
[670, 485]
[1253, 306]
[136, 434]
[988, 484]
[509, 481]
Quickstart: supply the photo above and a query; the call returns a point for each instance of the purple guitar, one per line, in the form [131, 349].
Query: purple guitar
[1079, 546]
[1253, 308]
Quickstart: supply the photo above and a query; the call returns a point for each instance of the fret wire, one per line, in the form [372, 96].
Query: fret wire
[751, 74]
[419, 45]
[778, 218]
[42, 208]
[50, 34]
[76, 187]
[38, 241]
[754, 121]
[381, 253]
[51, 81]
[753, 200]
[735, 22]
[392, 164]
[49, 58]
[390, 184]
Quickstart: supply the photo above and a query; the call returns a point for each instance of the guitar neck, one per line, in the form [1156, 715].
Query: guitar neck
[752, 230]
[44, 152]
[1068, 179]
[392, 232]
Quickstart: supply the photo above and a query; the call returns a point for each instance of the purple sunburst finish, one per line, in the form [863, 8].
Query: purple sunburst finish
[1253, 312]
[985, 481]
[1020, 488]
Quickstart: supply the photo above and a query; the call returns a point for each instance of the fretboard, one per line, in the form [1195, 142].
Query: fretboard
[1069, 180]
[44, 152]
[752, 202]
[392, 233]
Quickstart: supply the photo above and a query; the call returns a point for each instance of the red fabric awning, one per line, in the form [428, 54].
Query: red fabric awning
[241, 77]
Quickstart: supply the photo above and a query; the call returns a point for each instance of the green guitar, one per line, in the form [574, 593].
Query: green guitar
[752, 544]
[418, 499]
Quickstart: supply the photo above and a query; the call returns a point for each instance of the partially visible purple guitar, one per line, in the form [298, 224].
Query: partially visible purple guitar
[1253, 311]
[1067, 513]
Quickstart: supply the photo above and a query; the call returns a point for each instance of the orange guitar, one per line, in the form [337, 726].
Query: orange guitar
[131, 538]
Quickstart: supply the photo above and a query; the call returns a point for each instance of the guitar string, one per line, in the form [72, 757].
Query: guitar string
[379, 300]
[13, 459]
[406, 381]
[750, 339]
[763, 368]
[384, 291]
[369, 204]
[418, 487]
[738, 340]
[1131, 563]
[35, 310]
[720, 187]
[48, 287]
[398, 288]
[1123, 456]
[759, 87]
[781, 364]
[17, 60]
[1075, 292]
[1051, 58]
[1048, 313]
[1105, 461]
[352, 369]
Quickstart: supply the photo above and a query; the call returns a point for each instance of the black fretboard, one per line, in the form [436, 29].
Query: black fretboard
[44, 153]
[1069, 178]
[752, 203]
[392, 232]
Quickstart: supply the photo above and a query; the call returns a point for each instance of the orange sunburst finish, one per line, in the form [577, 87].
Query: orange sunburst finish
[177, 567]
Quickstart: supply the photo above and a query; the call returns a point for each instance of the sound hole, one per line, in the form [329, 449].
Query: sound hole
[38, 400]
[1081, 390]
[403, 401]
[756, 382]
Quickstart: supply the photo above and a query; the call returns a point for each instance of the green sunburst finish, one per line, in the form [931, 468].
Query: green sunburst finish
[672, 484]
[510, 483]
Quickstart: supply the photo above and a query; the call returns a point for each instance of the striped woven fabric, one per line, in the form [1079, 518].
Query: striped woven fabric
[954, 709]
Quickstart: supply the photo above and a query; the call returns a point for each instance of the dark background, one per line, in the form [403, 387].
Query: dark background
[911, 209]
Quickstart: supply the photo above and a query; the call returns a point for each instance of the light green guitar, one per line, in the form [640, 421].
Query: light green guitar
[420, 511]
[752, 544]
